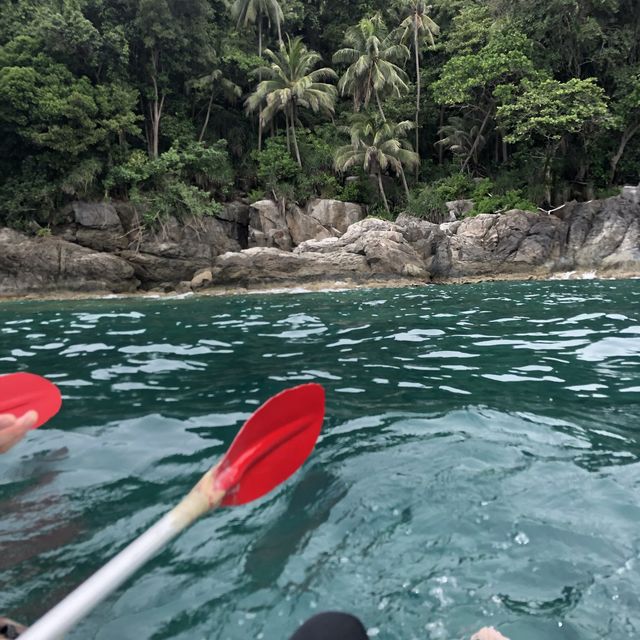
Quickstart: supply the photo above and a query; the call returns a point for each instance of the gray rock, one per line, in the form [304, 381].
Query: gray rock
[334, 214]
[513, 242]
[37, 265]
[631, 193]
[458, 208]
[304, 227]
[176, 250]
[267, 265]
[153, 270]
[96, 215]
[236, 211]
[201, 279]
[429, 241]
[371, 249]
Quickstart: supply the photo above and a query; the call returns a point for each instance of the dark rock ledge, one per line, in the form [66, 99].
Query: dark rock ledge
[101, 247]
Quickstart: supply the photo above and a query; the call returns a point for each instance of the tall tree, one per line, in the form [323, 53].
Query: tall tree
[485, 55]
[249, 12]
[419, 27]
[291, 82]
[373, 56]
[171, 45]
[548, 112]
[378, 146]
[626, 116]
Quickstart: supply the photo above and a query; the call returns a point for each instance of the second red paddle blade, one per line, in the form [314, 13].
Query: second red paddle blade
[272, 445]
[22, 392]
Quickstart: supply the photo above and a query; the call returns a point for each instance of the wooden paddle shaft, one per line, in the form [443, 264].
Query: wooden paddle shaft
[77, 604]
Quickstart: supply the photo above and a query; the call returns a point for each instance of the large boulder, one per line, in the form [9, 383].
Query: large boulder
[268, 226]
[304, 227]
[603, 233]
[95, 215]
[430, 241]
[272, 225]
[516, 242]
[267, 265]
[95, 225]
[235, 220]
[176, 249]
[334, 214]
[370, 250]
[36, 265]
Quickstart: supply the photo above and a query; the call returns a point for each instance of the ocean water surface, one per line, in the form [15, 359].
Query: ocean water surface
[478, 463]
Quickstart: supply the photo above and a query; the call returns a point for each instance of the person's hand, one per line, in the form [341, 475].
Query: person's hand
[13, 429]
[10, 629]
[488, 633]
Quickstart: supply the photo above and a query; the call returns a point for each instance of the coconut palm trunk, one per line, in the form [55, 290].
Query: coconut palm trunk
[404, 183]
[382, 193]
[418, 89]
[260, 78]
[384, 119]
[292, 116]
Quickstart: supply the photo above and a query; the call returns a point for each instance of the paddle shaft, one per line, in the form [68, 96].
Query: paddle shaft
[78, 603]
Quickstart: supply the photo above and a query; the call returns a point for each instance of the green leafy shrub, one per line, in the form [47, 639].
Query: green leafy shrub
[275, 165]
[430, 201]
[360, 190]
[512, 199]
[182, 181]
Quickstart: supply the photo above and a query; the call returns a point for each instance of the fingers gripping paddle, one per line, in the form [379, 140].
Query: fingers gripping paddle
[272, 445]
[22, 392]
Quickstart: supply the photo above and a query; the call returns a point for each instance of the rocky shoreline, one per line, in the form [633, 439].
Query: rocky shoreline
[101, 248]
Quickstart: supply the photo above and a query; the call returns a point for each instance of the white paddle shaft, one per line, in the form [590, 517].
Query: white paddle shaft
[203, 497]
[77, 604]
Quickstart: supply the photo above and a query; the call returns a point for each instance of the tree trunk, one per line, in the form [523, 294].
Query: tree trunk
[206, 120]
[293, 135]
[548, 173]
[404, 183]
[440, 147]
[627, 134]
[476, 142]
[382, 193]
[155, 110]
[155, 114]
[260, 79]
[384, 119]
[415, 46]
[286, 117]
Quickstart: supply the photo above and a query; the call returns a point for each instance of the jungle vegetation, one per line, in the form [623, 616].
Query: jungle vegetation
[180, 105]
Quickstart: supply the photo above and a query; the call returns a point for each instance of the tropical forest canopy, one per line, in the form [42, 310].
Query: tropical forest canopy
[181, 105]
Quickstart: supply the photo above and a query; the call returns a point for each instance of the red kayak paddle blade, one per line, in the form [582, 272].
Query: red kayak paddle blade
[272, 445]
[22, 392]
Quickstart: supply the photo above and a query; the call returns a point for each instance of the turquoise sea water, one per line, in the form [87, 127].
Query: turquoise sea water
[478, 464]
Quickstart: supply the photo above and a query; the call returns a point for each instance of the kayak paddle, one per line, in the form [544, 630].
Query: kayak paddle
[271, 446]
[22, 392]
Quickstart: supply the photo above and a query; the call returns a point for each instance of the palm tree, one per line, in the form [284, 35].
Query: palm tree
[419, 25]
[373, 56]
[376, 146]
[459, 137]
[290, 83]
[210, 83]
[248, 12]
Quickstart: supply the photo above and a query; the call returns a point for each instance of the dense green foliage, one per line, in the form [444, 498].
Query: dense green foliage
[179, 106]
